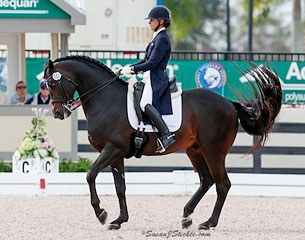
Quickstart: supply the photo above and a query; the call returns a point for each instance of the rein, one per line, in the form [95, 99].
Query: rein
[69, 103]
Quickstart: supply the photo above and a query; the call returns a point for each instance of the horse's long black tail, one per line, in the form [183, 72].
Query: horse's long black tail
[258, 115]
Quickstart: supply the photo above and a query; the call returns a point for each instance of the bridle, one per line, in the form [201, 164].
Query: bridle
[69, 103]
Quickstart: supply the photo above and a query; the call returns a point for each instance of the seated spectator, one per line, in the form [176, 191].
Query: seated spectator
[21, 95]
[43, 97]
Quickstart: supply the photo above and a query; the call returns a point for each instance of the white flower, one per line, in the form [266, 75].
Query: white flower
[54, 154]
[16, 155]
[43, 152]
[36, 153]
[47, 142]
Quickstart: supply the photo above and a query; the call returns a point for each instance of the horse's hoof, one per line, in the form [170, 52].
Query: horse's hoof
[103, 217]
[114, 226]
[186, 222]
[206, 225]
[202, 226]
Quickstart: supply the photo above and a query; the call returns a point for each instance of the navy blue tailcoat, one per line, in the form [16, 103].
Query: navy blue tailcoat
[156, 59]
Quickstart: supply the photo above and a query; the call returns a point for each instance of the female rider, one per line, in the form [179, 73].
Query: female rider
[156, 99]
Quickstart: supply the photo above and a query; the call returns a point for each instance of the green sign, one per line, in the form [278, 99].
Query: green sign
[34, 73]
[292, 76]
[30, 9]
[226, 79]
[195, 74]
[222, 77]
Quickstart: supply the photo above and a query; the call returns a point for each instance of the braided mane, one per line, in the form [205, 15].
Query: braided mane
[86, 59]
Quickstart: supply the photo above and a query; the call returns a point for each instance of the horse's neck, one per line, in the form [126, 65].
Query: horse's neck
[112, 96]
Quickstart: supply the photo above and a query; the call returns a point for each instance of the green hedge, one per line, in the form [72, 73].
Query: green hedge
[81, 165]
[65, 165]
[5, 167]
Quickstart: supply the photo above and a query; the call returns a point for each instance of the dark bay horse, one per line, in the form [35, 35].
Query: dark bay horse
[209, 127]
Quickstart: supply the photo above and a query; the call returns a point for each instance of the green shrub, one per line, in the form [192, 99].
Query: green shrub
[5, 167]
[81, 165]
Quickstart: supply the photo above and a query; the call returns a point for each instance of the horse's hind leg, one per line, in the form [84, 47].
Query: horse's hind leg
[206, 182]
[223, 184]
[119, 181]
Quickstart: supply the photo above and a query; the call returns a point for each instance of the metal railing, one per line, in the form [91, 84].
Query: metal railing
[175, 55]
[37, 54]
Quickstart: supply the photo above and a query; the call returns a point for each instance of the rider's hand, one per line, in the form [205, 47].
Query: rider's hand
[127, 70]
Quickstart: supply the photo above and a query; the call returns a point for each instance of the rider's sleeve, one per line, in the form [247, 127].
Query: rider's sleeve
[159, 49]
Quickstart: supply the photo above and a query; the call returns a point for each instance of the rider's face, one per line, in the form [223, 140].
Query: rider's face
[153, 23]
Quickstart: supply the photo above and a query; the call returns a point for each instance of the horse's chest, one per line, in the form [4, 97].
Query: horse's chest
[95, 142]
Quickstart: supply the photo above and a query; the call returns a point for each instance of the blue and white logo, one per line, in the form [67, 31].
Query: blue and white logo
[211, 76]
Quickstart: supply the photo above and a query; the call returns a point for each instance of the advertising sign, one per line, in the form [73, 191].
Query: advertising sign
[292, 76]
[223, 77]
[30, 9]
[226, 77]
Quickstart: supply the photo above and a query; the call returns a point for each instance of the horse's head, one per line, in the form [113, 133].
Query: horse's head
[61, 87]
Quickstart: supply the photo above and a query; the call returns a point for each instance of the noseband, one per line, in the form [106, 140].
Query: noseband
[69, 103]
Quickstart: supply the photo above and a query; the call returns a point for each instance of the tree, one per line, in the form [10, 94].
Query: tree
[262, 17]
[195, 23]
[201, 25]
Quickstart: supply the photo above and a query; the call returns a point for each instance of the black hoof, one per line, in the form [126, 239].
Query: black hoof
[203, 227]
[186, 222]
[114, 226]
[206, 225]
[103, 217]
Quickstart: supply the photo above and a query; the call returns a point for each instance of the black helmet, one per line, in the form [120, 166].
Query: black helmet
[159, 12]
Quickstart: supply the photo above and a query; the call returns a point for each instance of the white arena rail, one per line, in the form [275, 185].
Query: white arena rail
[158, 183]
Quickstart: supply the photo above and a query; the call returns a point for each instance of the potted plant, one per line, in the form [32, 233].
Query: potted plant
[37, 152]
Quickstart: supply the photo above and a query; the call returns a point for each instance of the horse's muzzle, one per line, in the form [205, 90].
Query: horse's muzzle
[58, 114]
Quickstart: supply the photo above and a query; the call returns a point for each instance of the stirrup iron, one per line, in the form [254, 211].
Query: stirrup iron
[160, 147]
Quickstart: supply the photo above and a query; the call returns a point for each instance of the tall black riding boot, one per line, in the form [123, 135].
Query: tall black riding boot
[166, 138]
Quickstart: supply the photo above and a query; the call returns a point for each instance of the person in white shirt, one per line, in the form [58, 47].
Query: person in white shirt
[43, 97]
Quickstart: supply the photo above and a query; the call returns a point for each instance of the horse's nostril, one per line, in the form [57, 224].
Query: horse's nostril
[56, 114]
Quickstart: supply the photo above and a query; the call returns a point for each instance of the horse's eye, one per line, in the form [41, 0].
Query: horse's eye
[51, 83]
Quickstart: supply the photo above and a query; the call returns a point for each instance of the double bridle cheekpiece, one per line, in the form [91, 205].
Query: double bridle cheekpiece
[67, 102]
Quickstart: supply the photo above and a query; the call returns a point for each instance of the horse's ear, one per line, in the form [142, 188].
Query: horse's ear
[51, 64]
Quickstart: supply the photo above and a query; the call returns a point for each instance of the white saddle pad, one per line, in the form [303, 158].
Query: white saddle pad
[173, 121]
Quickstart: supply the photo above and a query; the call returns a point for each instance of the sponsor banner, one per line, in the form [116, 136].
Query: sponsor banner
[34, 73]
[223, 77]
[30, 9]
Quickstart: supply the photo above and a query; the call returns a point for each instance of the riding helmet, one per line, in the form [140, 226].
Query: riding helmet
[160, 12]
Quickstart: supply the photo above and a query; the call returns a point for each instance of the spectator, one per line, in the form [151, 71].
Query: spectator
[43, 97]
[21, 95]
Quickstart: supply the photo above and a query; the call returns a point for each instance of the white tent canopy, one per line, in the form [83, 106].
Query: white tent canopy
[18, 17]
[61, 18]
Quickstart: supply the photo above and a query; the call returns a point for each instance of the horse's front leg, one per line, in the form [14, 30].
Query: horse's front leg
[106, 157]
[119, 181]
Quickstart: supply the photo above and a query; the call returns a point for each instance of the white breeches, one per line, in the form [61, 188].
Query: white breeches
[147, 92]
